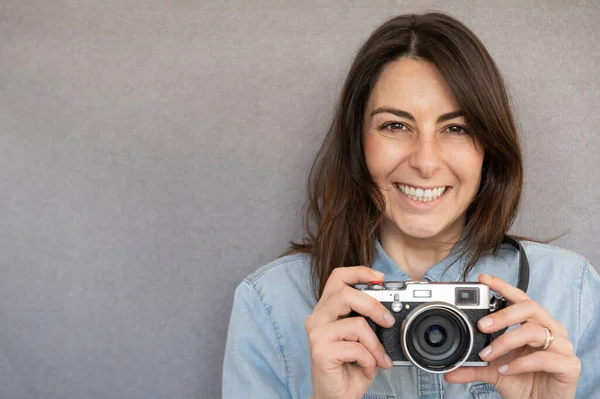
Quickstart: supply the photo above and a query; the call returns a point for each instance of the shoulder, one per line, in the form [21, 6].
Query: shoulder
[294, 265]
[285, 280]
[547, 252]
[558, 281]
[554, 266]
[547, 263]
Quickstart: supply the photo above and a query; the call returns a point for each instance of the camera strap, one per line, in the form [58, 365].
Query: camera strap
[522, 279]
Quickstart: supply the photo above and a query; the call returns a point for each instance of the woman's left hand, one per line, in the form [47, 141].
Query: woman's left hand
[526, 371]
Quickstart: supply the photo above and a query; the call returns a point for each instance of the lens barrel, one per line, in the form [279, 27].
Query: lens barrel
[437, 337]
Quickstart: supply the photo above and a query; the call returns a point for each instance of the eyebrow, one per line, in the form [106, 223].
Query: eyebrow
[403, 114]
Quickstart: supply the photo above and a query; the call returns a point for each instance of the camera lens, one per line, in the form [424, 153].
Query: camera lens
[437, 337]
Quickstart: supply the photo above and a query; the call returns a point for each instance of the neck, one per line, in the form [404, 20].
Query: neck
[416, 256]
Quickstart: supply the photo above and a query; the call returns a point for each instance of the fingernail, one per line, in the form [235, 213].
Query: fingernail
[378, 275]
[389, 319]
[388, 360]
[503, 369]
[485, 322]
[486, 351]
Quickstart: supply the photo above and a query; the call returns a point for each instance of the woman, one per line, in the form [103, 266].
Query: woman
[419, 178]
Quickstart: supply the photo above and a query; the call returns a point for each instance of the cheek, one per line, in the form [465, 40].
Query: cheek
[467, 163]
[381, 157]
[373, 157]
[370, 158]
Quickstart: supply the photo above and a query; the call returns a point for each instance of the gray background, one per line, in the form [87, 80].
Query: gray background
[153, 153]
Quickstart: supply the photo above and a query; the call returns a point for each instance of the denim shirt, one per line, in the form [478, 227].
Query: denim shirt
[267, 352]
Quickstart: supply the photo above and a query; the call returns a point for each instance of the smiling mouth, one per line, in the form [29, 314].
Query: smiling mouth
[419, 194]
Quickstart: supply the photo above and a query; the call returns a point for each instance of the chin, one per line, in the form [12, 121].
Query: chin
[417, 229]
[422, 227]
[421, 233]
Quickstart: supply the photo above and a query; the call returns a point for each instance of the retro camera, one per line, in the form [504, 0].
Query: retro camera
[436, 323]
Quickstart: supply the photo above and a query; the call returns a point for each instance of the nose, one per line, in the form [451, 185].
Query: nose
[425, 158]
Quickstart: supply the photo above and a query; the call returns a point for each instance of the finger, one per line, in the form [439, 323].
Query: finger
[331, 355]
[511, 293]
[564, 368]
[528, 334]
[518, 313]
[346, 300]
[526, 309]
[344, 276]
[353, 329]
[516, 296]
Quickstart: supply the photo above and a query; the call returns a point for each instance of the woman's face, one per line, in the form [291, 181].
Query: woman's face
[420, 152]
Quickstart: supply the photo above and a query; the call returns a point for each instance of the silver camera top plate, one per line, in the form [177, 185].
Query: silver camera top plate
[463, 295]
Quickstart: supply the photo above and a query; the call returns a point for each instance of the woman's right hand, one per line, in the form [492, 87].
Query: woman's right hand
[345, 352]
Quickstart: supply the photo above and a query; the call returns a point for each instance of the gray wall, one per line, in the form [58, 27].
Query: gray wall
[153, 153]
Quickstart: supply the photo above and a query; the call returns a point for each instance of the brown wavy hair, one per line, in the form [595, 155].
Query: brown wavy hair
[345, 206]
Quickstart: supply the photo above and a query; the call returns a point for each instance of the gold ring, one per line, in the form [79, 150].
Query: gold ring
[549, 339]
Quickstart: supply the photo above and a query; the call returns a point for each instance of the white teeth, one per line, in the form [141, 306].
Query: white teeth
[418, 194]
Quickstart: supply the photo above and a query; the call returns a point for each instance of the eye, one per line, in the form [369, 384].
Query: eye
[394, 126]
[456, 129]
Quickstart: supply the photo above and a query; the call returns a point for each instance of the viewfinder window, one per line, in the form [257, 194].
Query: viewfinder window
[467, 296]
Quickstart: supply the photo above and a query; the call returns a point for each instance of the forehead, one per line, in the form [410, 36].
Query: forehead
[412, 83]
